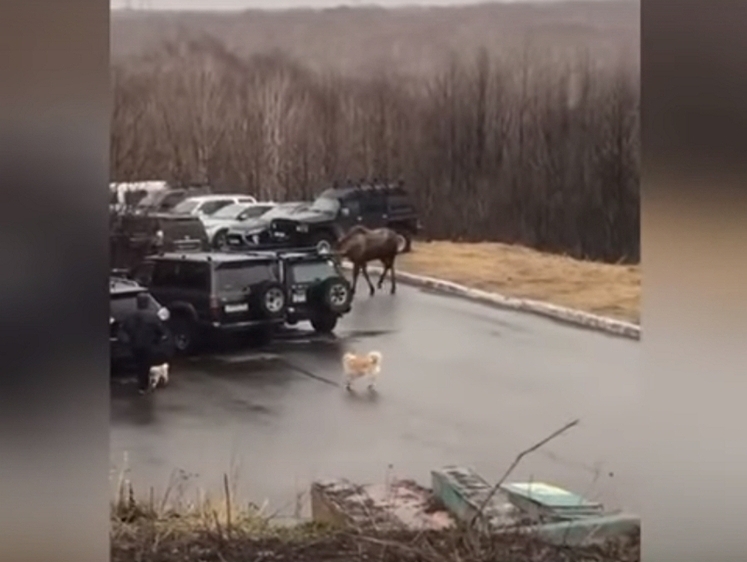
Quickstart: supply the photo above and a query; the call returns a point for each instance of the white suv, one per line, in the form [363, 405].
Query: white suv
[206, 205]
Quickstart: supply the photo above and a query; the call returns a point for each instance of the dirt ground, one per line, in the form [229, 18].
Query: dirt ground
[604, 289]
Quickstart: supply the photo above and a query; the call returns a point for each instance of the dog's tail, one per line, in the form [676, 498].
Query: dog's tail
[376, 358]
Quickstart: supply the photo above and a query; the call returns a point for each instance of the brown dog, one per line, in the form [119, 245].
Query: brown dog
[359, 366]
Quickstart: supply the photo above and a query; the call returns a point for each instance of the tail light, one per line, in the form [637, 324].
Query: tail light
[215, 308]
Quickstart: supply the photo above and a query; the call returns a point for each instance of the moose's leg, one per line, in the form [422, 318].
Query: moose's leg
[394, 277]
[380, 284]
[368, 279]
[356, 271]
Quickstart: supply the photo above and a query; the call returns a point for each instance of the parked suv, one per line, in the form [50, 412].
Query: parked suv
[316, 288]
[122, 302]
[337, 209]
[133, 237]
[206, 205]
[214, 293]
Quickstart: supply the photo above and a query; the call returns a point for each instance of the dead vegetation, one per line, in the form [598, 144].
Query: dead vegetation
[170, 530]
[514, 139]
[217, 531]
[612, 290]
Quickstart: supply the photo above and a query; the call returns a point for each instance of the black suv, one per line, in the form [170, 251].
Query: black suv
[122, 302]
[215, 293]
[133, 237]
[339, 208]
[316, 288]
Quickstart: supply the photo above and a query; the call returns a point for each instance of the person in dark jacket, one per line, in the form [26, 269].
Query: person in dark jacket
[143, 331]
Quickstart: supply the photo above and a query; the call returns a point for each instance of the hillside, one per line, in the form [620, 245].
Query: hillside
[410, 40]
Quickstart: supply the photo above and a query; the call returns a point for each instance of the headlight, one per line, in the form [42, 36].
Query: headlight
[163, 313]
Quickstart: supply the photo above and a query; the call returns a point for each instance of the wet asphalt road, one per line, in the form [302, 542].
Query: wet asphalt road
[461, 383]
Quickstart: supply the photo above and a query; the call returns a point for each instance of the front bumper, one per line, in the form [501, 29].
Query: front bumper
[242, 326]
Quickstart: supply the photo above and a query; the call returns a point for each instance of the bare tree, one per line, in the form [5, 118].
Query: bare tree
[531, 146]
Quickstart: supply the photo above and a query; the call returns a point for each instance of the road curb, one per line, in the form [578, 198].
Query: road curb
[554, 312]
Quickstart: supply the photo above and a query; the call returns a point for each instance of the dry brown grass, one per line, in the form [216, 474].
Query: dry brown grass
[516, 271]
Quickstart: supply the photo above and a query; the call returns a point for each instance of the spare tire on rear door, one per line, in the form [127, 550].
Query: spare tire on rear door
[269, 299]
[334, 294]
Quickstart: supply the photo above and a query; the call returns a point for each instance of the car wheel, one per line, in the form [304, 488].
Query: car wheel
[219, 240]
[324, 323]
[271, 299]
[323, 243]
[337, 294]
[183, 334]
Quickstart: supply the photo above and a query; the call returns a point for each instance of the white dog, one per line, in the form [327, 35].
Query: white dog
[359, 366]
[159, 375]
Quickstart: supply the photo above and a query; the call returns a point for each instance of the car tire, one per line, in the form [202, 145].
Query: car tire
[183, 334]
[324, 323]
[271, 300]
[219, 240]
[334, 295]
[323, 242]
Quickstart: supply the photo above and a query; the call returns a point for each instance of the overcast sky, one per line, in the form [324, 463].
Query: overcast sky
[264, 4]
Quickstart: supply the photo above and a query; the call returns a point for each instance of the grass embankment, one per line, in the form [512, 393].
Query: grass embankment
[220, 532]
[516, 271]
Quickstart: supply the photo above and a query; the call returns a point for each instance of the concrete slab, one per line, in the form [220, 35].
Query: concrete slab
[399, 505]
[462, 491]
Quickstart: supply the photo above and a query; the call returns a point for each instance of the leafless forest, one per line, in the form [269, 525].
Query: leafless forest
[508, 123]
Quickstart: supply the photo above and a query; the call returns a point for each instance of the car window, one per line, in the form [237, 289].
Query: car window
[311, 272]
[193, 275]
[351, 207]
[325, 205]
[164, 274]
[400, 203]
[209, 207]
[182, 275]
[171, 200]
[185, 207]
[373, 204]
[230, 211]
[150, 199]
[236, 276]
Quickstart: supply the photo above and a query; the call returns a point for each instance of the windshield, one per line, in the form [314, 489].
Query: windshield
[313, 271]
[185, 207]
[255, 211]
[284, 209]
[325, 205]
[230, 211]
[150, 199]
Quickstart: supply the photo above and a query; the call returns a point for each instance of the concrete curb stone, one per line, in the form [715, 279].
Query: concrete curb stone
[562, 314]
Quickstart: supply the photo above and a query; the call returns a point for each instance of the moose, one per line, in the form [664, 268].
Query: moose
[361, 245]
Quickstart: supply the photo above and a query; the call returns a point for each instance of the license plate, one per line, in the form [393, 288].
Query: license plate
[243, 307]
[297, 298]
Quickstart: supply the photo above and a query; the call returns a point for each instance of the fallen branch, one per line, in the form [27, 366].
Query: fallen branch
[517, 460]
